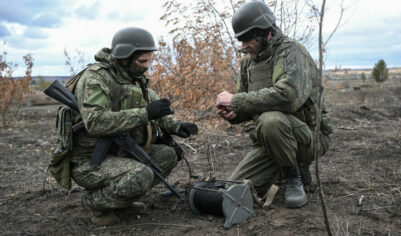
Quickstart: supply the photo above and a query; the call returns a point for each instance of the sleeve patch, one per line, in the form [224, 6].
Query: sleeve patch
[97, 97]
[277, 70]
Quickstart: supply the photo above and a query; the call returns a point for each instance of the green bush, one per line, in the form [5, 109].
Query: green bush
[380, 71]
[363, 76]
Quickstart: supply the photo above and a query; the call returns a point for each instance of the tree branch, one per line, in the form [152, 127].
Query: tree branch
[226, 28]
[318, 118]
[338, 23]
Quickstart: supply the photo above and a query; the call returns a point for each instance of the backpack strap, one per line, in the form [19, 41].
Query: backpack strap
[74, 80]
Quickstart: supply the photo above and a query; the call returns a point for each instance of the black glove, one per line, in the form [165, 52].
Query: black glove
[187, 129]
[158, 109]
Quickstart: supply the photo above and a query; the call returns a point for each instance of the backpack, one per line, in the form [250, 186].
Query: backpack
[59, 166]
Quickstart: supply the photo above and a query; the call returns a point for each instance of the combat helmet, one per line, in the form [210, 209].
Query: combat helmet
[129, 40]
[252, 15]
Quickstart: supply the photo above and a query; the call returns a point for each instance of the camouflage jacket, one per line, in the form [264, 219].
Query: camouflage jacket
[282, 78]
[111, 102]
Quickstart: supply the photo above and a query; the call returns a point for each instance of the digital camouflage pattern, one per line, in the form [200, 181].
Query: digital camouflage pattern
[111, 102]
[290, 77]
[277, 91]
[119, 181]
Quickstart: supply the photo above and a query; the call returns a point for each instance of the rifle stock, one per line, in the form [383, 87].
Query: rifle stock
[61, 94]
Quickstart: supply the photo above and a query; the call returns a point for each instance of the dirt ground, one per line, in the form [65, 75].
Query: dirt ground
[360, 174]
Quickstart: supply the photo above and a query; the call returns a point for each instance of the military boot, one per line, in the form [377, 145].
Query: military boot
[294, 194]
[100, 217]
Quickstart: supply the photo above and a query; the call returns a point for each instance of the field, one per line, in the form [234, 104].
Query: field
[361, 176]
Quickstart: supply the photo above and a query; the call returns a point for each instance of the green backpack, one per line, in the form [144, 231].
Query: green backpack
[59, 166]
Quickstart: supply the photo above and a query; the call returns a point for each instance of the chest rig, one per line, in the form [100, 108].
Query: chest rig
[125, 93]
[259, 75]
[128, 93]
[136, 96]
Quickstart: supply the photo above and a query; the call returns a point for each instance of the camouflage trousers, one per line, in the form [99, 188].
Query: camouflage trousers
[279, 140]
[120, 180]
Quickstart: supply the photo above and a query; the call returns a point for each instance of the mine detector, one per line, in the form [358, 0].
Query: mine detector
[231, 199]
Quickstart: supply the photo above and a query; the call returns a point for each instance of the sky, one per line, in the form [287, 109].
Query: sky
[370, 30]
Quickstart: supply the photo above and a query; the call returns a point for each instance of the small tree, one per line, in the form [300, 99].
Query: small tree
[380, 71]
[363, 77]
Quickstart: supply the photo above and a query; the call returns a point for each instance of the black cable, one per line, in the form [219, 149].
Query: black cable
[208, 202]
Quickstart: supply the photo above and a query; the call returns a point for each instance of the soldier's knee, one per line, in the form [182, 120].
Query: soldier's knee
[146, 178]
[270, 122]
[140, 179]
[171, 156]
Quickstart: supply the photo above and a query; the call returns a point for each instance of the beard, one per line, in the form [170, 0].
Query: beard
[255, 52]
[253, 56]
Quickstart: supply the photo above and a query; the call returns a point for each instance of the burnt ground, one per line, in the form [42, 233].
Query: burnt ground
[362, 166]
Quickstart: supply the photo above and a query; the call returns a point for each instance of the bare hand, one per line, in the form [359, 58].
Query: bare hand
[223, 105]
[224, 99]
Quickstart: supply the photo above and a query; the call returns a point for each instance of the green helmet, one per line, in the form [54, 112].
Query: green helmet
[252, 15]
[129, 40]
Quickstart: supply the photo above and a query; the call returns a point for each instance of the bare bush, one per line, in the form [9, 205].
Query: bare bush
[13, 91]
[75, 63]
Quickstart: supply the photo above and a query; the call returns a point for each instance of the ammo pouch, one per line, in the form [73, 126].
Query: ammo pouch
[308, 114]
[59, 166]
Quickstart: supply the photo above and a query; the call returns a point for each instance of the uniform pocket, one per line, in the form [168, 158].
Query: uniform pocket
[88, 176]
[324, 143]
[132, 97]
[304, 136]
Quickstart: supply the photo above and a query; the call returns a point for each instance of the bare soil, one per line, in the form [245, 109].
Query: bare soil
[361, 178]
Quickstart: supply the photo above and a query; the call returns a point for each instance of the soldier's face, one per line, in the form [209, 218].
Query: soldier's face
[144, 59]
[251, 47]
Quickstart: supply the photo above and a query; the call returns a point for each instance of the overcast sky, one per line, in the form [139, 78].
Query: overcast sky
[371, 30]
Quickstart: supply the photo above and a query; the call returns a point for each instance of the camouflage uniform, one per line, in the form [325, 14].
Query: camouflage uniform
[277, 91]
[111, 102]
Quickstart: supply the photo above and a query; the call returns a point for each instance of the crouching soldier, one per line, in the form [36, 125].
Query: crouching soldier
[114, 99]
[277, 89]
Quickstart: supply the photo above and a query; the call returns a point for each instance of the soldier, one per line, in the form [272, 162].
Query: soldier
[114, 99]
[277, 88]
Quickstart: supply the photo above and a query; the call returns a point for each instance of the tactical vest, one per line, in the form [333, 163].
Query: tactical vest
[124, 95]
[259, 75]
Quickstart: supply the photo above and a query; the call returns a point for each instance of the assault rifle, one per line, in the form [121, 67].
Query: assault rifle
[60, 93]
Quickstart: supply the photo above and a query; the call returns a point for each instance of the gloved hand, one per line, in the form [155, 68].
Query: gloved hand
[187, 129]
[158, 109]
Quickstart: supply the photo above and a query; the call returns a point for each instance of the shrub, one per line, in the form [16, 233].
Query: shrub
[13, 91]
[380, 71]
[363, 76]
